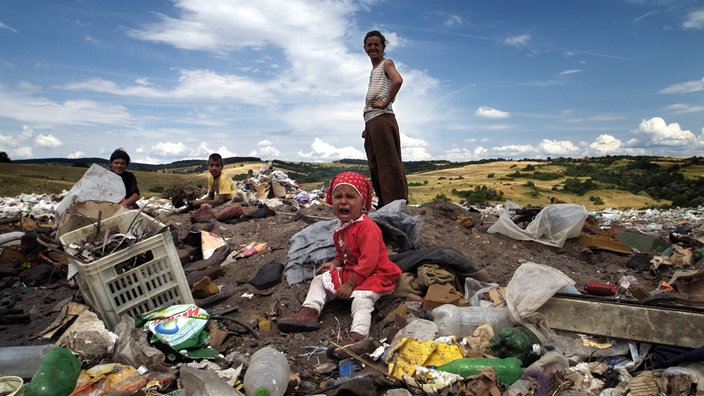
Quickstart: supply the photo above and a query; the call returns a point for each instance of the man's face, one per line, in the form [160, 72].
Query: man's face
[215, 168]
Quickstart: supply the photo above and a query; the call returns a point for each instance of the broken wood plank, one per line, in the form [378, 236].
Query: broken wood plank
[628, 321]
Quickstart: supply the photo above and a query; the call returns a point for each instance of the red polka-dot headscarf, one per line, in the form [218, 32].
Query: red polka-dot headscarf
[356, 180]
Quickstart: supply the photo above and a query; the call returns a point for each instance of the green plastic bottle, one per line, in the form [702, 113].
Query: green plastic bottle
[515, 341]
[508, 370]
[56, 376]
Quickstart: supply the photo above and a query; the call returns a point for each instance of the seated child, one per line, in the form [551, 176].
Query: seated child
[220, 187]
[361, 269]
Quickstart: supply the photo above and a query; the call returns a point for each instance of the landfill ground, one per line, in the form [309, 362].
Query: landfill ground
[438, 227]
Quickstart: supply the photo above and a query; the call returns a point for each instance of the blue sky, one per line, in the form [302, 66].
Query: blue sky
[170, 80]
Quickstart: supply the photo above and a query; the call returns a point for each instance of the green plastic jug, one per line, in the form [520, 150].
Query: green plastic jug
[56, 376]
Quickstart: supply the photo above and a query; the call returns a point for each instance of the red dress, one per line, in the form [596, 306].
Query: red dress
[360, 247]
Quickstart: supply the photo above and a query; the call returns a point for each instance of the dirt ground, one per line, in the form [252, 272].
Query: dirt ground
[438, 227]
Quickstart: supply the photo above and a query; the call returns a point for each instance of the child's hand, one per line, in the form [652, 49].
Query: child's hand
[329, 266]
[344, 292]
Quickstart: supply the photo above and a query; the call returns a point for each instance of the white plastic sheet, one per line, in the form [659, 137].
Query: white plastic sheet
[97, 184]
[553, 225]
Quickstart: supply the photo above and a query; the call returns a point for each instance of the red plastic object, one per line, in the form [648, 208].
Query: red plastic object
[601, 289]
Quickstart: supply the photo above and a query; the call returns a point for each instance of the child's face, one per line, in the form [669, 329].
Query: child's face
[118, 165]
[347, 204]
[215, 168]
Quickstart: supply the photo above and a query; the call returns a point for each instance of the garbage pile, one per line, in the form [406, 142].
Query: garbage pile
[150, 320]
[270, 186]
[491, 341]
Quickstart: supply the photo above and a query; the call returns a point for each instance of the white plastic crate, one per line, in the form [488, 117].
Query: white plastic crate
[112, 291]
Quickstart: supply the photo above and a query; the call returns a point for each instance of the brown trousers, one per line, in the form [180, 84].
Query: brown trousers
[382, 143]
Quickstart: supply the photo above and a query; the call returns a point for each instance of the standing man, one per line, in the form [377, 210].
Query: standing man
[382, 141]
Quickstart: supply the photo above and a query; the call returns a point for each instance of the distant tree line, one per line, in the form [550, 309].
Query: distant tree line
[649, 175]
[637, 175]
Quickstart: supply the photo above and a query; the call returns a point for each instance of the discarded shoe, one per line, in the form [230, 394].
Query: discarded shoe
[352, 338]
[202, 215]
[233, 212]
[305, 320]
[355, 343]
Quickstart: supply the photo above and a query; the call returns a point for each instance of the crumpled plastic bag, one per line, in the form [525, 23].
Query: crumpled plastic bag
[531, 286]
[552, 226]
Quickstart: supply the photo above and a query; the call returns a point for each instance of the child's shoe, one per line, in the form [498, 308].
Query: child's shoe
[305, 320]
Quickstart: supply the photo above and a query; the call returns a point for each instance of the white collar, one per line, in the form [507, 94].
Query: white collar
[341, 226]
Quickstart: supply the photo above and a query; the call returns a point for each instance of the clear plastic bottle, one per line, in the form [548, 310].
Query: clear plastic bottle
[22, 361]
[462, 321]
[267, 374]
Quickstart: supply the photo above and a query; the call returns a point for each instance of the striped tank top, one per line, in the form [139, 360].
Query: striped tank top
[379, 86]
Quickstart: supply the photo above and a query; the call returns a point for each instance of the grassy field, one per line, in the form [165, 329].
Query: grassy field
[423, 187]
[426, 186]
[53, 179]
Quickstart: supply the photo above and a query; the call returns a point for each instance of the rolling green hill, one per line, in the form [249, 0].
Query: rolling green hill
[618, 182]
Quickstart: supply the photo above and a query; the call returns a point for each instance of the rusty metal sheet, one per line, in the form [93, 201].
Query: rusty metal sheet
[629, 321]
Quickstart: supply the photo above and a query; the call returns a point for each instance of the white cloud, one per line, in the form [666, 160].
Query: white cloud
[464, 154]
[514, 150]
[44, 112]
[170, 149]
[571, 71]
[695, 20]
[605, 144]
[18, 146]
[21, 152]
[6, 27]
[143, 81]
[266, 27]
[265, 150]
[76, 154]
[48, 141]
[557, 147]
[681, 108]
[490, 112]
[413, 149]
[322, 151]
[453, 20]
[685, 87]
[647, 14]
[203, 150]
[658, 133]
[517, 41]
